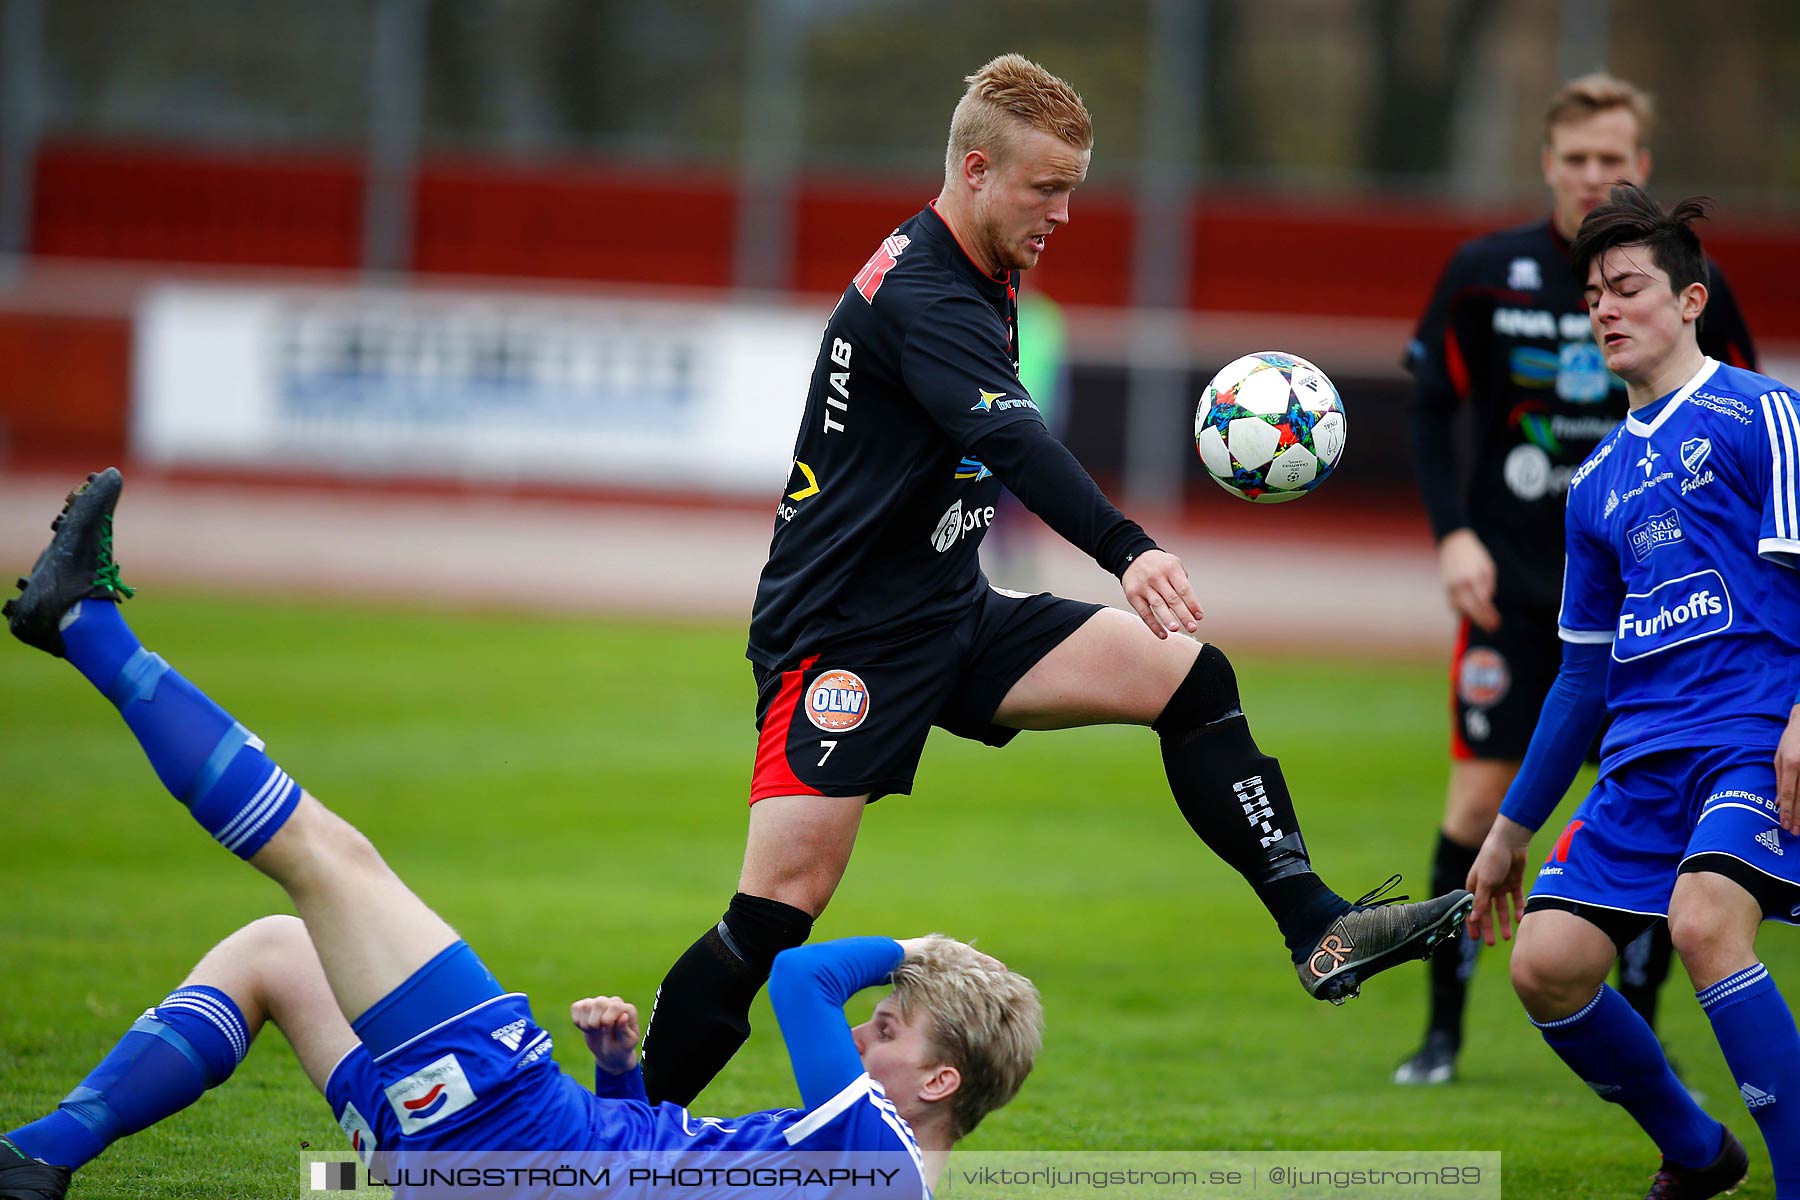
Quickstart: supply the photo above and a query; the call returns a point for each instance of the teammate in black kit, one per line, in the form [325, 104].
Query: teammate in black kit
[1507, 332]
[873, 621]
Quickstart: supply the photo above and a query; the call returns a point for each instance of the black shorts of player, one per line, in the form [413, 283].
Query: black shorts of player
[1498, 682]
[851, 720]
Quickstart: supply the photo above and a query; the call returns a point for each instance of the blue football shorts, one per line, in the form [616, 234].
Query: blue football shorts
[483, 1079]
[1628, 839]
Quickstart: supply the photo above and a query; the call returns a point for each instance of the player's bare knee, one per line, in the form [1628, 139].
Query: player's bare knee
[354, 851]
[1528, 981]
[1468, 826]
[277, 934]
[1548, 984]
[319, 845]
[268, 948]
[804, 881]
[1713, 921]
[278, 938]
[808, 891]
[1692, 935]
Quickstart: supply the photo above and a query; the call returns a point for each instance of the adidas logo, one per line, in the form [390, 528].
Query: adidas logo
[510, 1035]
[1771, 838]
[1755, 1097]
[1605, 1091]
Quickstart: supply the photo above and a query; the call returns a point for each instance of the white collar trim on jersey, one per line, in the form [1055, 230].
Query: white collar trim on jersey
[1707, 367]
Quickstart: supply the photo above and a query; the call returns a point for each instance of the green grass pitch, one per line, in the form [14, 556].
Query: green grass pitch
[570, 794]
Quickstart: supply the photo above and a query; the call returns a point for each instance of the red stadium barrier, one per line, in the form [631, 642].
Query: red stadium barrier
[1372, 258]
[66, 380]
[192, 206]
[575, 222]
[65, 386]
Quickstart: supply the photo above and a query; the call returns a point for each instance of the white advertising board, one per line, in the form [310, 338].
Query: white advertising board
[478, 386]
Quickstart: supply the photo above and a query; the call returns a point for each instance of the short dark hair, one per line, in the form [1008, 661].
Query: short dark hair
[1631, 218]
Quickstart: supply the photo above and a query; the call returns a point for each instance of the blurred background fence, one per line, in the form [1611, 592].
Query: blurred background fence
[591, 242]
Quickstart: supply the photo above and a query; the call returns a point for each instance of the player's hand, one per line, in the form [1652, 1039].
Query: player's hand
[610, 1026]
[1156, 586]
[1787, 773]
[1467, 570]
[1498, 880]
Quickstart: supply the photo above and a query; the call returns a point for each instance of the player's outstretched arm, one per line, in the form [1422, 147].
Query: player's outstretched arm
[1051, 483]
[1571, 716]
[1157, 588]
[1787, 772]
[1498, 881]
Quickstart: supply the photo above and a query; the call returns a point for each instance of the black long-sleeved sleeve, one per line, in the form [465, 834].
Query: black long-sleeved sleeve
[1049, 481]
[1433, 445]
[1440, 379]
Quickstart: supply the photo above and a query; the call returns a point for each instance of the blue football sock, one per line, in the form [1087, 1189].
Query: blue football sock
[207, 760]
[1614, 1052]
[97, 641]
[1756, 1031]
[190, 1042]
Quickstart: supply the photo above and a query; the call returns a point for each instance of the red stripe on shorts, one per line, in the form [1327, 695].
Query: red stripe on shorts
[1459, 749]
[774, 775]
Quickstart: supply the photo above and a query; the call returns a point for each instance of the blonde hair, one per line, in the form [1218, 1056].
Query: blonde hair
[1579, 99]
[1009, 92]
[985, 1020]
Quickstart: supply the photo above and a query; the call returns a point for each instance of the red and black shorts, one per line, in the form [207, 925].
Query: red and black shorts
[1498, 682]
[851, 719]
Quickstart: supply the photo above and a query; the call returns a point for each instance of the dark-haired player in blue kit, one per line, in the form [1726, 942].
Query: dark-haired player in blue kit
[874, 622]
[1680, 616]
[415, 1045]
[1506, 335]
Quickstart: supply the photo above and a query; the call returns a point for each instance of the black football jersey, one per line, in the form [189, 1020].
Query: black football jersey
[1507, 331]
[878, 526]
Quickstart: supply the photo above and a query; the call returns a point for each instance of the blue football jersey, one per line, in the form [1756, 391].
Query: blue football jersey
[484, 1082]
[858, 1120]
[1684, 554]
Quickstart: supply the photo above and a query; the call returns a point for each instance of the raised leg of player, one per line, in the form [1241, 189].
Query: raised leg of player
[394, 967]
[1714, 923]
[794, 857]
[193, 1040]
[1559, 966]
[1110, 671]
[372, 933]
[1113, 670]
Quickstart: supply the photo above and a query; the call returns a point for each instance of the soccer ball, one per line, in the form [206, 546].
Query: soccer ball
[1270, 427]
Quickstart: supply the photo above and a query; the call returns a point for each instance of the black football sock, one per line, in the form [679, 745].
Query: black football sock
[1234, 797]
[702, 1012]
[1452, 966]
[1643, 967]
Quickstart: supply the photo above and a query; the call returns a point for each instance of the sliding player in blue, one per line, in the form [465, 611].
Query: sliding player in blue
[412, 1041]
[1684, 563]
